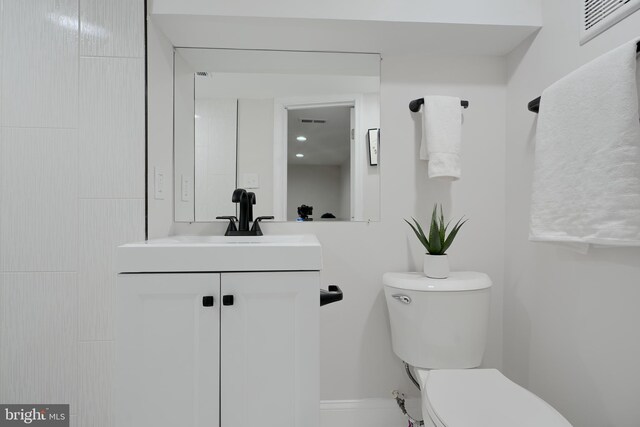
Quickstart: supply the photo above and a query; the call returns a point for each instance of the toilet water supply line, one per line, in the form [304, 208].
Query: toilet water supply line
[400, 399]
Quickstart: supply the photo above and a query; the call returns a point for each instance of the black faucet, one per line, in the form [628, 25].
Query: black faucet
[246, 200]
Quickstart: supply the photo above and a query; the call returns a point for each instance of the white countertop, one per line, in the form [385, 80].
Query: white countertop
[298, 252]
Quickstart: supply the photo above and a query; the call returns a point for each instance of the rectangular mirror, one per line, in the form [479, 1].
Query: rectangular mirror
[291, 127]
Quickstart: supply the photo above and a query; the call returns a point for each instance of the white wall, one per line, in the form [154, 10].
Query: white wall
[216, 127]
[345, 192]
[571, 320]
[371, 174]
[159, 129]
[255, 150]
[282, 85]
[71, 189]
[356, 357]
[183, 118]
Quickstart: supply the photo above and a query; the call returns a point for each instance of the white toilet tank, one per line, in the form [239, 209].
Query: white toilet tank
[438, 323]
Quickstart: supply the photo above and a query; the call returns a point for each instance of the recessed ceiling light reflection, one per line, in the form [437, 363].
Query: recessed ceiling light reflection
[300, 155]
[301, 138]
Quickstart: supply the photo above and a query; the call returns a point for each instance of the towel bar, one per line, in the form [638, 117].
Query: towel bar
[416, 103]
[534, 105]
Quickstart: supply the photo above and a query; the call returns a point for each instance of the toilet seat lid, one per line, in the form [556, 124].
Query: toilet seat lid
[484, 398]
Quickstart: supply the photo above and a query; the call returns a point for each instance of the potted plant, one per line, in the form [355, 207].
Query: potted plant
[436, 261]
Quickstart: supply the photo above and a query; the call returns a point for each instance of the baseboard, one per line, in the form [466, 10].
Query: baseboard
[366, 412]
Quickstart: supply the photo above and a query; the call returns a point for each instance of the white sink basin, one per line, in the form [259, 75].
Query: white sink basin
[297, 252]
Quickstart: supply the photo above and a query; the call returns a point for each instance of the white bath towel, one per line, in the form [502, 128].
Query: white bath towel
[586, 187]
[441, 136]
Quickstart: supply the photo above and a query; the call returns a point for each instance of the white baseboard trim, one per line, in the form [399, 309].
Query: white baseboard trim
[366, 412]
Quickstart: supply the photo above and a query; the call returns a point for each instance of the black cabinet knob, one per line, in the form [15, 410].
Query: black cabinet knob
[227, 300]
[207, 301]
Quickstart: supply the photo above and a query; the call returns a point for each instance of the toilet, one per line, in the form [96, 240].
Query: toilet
[439, 328]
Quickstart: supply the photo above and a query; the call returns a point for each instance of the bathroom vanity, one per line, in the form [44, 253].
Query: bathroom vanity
[218, 331]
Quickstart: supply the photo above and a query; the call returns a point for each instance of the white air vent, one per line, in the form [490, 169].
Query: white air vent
[599, 15]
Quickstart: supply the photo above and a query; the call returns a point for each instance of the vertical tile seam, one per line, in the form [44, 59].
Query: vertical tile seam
[1, 146]
[76, 410]
[2, 50]
[76, 398]
[2, 278]
[146, 123]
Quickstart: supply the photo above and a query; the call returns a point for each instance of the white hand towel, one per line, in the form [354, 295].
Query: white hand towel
[586, 186]
[441, 136]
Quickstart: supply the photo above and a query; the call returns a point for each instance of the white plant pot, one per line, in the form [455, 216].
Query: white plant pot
[436, 266]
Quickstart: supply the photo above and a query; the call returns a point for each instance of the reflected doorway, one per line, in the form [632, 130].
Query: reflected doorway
[320, 164]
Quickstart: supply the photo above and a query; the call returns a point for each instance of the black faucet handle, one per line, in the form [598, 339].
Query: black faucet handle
[251, 200]
[229, 218]
[232, 223]
[238, 195]
[252, 197]
[255, 228]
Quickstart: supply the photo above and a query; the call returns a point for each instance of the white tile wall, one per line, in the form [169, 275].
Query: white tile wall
[95, 385]
[38, 344]
[111, 28]
[39, 200]
[96, 276]
[71, 189]
[111, 127]
[40, 66]
[1, 54]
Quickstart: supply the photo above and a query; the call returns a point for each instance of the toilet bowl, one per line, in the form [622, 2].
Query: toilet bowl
[439, 327]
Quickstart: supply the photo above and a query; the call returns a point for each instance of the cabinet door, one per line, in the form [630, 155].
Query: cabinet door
[167, 350]
[269, 349]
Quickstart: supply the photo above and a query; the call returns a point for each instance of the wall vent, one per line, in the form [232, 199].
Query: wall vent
[599, 15]
[202, 74]
[313, 121]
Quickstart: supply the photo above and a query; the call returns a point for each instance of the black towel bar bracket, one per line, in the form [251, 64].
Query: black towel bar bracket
[534, 105]
[417, 103]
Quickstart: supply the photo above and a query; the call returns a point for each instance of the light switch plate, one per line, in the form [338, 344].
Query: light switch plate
[186, 188]
[158, 184]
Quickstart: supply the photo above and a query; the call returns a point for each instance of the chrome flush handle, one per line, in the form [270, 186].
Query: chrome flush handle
[402, 298]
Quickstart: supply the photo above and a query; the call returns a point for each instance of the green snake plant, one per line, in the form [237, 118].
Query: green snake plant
[438, 240]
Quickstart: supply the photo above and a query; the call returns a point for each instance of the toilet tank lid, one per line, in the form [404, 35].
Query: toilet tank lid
[457, 281]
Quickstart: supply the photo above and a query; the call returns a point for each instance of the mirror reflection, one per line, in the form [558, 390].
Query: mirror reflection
[291, 127]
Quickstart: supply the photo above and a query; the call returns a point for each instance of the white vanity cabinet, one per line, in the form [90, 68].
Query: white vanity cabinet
[216, 348]
[269, 346]
[167, 350]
